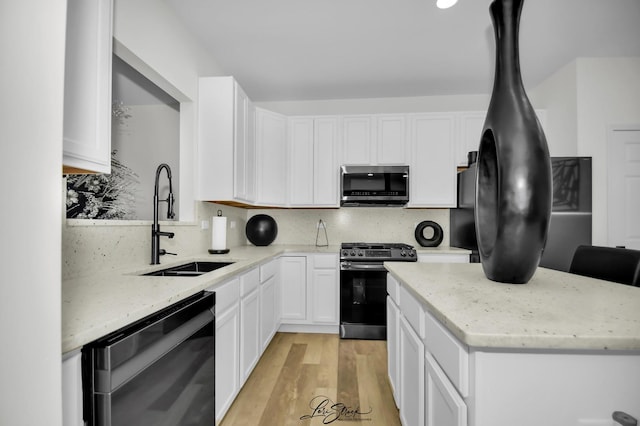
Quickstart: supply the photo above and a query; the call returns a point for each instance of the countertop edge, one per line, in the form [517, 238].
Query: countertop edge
[469, 335]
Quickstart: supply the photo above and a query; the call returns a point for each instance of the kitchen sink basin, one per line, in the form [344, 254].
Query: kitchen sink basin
[191, 269]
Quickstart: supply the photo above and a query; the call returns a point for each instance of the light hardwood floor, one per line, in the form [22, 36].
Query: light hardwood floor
[315, 379]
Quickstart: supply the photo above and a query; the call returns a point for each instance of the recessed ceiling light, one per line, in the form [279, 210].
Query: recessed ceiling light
[445, 4]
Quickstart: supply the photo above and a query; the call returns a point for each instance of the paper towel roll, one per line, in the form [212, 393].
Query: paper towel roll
[218, 233]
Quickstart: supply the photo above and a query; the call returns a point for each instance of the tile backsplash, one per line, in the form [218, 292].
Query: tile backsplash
[89, 246]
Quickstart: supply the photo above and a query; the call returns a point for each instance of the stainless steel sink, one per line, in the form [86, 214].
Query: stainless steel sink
[191, 269]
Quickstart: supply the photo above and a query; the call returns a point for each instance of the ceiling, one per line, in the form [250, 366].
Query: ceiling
[337, 49]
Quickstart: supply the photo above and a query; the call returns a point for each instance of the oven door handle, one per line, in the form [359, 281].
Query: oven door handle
[360, 266]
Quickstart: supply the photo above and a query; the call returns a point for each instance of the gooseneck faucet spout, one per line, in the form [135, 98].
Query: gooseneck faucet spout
[155, 228]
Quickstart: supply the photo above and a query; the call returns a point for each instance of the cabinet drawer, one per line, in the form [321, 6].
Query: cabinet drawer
[249, 281]
[449, 353]
[444, 406]
[393, 289]
[412, 310]
[227, 295]
[268, 270]
[325, 261]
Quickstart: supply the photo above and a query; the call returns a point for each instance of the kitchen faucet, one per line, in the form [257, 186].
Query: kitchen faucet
[156, 251]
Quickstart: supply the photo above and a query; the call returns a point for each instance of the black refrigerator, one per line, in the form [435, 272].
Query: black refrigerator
[570, 224]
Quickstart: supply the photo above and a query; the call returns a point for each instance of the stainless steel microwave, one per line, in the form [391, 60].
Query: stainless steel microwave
[374, 185]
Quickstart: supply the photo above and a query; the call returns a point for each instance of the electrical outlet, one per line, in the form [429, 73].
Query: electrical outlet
[232, 224]
[204, 224]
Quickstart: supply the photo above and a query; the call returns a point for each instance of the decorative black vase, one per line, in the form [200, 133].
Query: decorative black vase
[514, 181]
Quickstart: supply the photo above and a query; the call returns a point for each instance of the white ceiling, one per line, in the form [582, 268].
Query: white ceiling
[337, 49]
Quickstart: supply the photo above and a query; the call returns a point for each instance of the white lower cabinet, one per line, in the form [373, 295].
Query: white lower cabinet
[443, 405]
[310, 292]
[294, 288]
[411, 374]
[393, 347]
[269, 301]
[72, 389]
[426, 368]
[324, 288]
[227, 345]
[250, 345]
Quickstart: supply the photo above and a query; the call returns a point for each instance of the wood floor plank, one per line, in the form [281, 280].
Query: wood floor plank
[299, 371]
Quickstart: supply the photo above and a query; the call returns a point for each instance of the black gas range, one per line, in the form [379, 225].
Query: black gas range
[363, 287]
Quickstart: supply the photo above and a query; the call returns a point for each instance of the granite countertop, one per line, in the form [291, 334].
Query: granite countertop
[555, 310]
[96, 305]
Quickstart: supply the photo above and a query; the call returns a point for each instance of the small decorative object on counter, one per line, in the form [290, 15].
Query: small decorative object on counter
[514, 183]
[261, 230]
[319, 242]
[218, 234]
[435, 239]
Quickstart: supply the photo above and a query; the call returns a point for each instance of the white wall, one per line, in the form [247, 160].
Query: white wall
[149, 137]
[153, 40]
[583, 99]
[557, 95]
[32, 36]
[608, 94]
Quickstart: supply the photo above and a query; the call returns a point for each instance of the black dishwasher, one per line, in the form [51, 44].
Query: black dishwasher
[156, 371]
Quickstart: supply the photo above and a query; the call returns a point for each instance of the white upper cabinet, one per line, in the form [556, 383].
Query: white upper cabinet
[87, 87]
[469, 132]
[470, 126]
[357, 140]
[374, 139]
[301, 161]
[245, 151]
[432, 170]
[391, 139]
[271, 158]
[221, 113]
[313, 168]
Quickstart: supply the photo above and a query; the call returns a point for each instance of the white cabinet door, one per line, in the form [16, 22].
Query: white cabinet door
[325, 163]
[357, 140]
[470, 126]
[324, 296]
[444, 407]
[227, 359]
[217, 115]
[411, 376]
[271, 158]
[301, 161]
[250, 347]
[393, 347]
[294, 287]
[313, 168]
[87, 86]
[433, 171]
[268, 310]
[391, 139]
[72, 389]
[244, 144]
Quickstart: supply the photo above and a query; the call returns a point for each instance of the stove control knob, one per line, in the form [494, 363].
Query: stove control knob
[360, 254]
[353, 253]
[411, 254]
[403, 253]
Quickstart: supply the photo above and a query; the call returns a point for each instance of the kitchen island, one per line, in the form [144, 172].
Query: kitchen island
[560, 350]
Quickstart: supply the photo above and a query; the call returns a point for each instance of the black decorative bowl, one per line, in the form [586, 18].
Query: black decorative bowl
[261, 230]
